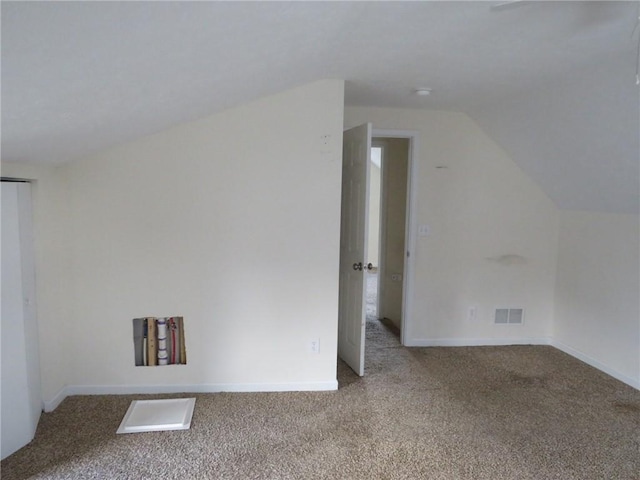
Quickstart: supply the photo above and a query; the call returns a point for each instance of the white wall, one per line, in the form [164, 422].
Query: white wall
[597, 299]
[21, 398]
[52, 265]
[394, 205]
[493, 233]
[232, 222]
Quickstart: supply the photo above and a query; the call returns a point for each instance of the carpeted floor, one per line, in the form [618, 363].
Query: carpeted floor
[523, 412]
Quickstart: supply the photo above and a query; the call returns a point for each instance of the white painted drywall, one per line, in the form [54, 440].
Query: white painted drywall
[394, 205]
[597, 313]
[21, 399]
[493, 238]
[232, 222]
[52, 265]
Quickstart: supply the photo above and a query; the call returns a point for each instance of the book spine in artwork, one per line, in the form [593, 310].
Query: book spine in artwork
[152, 345]
[177, 342]
[138, 341]
[172, 340]
[145, 343]
[169, 347]
[161, 326]
[183, 348]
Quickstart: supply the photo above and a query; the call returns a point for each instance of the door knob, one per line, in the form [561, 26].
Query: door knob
[369, 266]
[357, 266]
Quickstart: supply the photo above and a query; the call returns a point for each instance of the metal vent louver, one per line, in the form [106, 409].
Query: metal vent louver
[509, 316]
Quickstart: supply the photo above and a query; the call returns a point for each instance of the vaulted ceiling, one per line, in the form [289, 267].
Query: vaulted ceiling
[552, 82]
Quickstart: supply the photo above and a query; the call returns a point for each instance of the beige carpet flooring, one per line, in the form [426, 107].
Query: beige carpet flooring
[523, 412]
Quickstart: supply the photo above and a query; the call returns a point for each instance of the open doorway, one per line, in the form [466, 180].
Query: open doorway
[373, 250]
[397, 229]
[388, 193]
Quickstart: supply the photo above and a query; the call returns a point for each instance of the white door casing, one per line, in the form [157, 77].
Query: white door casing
[406, 329]
[356, 155]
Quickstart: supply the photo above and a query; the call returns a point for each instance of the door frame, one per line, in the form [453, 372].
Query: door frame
[406, 320]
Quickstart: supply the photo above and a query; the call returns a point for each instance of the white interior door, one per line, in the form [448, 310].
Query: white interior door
[20, 397]
[356, 152]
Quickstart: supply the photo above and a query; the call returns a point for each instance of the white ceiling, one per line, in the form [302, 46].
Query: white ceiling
[552, 82]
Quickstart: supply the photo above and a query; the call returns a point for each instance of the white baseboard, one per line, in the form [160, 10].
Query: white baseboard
[52, 404]
[71, 390]
[479, 342]
[635, 383]
[475, 342]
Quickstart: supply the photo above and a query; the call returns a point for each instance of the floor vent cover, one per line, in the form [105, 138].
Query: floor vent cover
[158, 415]
[509, 316]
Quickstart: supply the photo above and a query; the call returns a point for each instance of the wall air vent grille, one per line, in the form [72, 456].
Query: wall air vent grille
[509, 316]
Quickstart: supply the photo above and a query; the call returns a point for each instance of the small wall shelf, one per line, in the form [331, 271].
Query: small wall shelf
[159, 341]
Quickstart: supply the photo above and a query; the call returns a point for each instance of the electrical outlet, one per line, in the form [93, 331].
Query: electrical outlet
[314, 345]
[396, 277]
